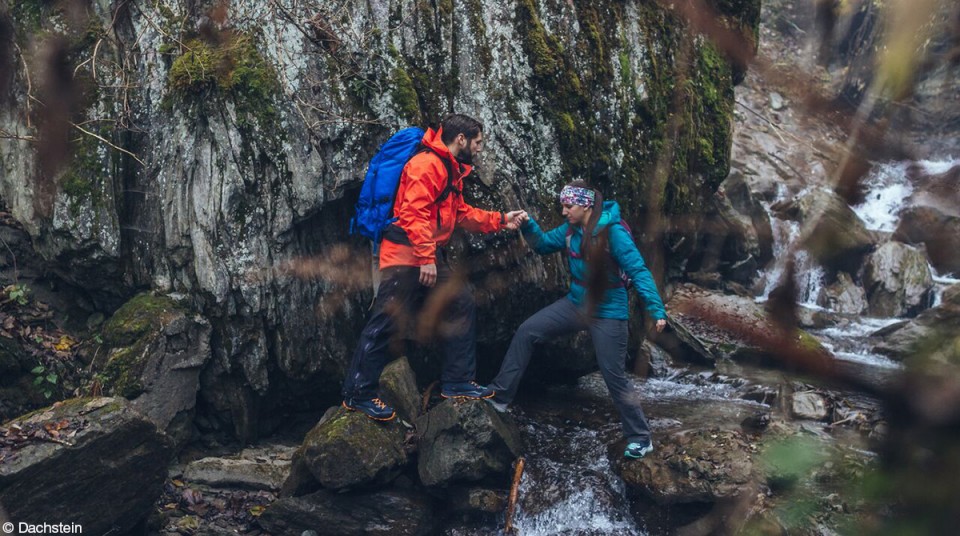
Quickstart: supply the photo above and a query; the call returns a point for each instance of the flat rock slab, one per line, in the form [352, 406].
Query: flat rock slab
[386, 513]
[264, 469]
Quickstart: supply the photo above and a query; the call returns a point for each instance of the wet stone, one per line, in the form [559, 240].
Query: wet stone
[808, 405]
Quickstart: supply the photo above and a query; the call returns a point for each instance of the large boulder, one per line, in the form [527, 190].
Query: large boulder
[691, 466]
[154, 350]
[387, 513]
[737, 240]
[932, 218]
[465, 441]
[94, 462]
[834, 234]
[843, 296]
[347, 449]
[897, 280]
[901, 340]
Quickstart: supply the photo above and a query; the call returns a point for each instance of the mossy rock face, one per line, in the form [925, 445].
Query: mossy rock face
[128, 337]
[232, 68]
[272, 133]
[143, 313]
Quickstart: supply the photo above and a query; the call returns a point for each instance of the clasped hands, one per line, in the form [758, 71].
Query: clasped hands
[515, 219]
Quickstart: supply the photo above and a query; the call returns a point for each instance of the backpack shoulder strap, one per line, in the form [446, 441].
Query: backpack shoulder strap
[445, 193]
[567, 237]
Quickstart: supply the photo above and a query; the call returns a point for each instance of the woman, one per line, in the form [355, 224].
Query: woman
[601, 252]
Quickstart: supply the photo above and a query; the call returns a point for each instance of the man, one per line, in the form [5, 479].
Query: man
[428, 206]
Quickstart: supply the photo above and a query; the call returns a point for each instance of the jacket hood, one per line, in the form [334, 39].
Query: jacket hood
[610, 214]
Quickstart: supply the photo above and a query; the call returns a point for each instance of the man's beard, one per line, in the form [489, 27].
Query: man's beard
[465, 156]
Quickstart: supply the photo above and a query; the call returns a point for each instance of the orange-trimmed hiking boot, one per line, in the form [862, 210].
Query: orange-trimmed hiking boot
[466, 390]
[373, 408]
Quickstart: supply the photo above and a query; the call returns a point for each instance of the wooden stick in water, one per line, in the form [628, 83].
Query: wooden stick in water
[512, 502]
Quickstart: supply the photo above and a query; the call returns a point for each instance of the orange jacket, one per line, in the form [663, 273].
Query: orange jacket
[421, 183]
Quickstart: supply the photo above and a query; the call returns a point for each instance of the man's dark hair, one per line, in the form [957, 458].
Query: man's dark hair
[455, 124]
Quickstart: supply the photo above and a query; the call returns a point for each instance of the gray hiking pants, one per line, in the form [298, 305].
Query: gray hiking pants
[609, 341]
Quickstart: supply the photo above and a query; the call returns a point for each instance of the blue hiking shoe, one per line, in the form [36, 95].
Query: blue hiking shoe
[373, 408]
[466, 390]
[638, 450]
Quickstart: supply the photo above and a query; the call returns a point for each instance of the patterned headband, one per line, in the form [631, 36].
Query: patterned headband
[575, 195]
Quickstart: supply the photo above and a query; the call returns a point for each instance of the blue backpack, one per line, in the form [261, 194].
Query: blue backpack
[375, 206]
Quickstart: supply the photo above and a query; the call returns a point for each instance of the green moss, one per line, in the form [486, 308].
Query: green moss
[713, 114]
[478, 29]
[566, 124]
[808, 342]
[133, 320]
[446, 7]
[128, 336]
[542, 48]
[233, 69]
[626, 72]
[404, 95]
[593, 41]
[121, 375]
[28, 17]
[71, 406]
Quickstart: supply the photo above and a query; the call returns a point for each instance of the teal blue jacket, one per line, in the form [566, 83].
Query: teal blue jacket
[622, 249]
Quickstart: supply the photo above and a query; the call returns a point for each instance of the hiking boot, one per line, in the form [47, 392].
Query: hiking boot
[373, 408]
[466, 390]
[638, 450]
[500, 407]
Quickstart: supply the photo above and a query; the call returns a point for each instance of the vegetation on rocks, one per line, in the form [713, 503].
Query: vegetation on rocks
[229, 67]
[127, 336]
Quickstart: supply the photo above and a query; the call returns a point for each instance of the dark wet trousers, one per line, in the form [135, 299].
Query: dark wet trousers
[609, 341]
[400, 300]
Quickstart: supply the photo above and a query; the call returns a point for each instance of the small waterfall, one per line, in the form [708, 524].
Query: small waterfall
[808, 274]
[942, 283]
[887, 186]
